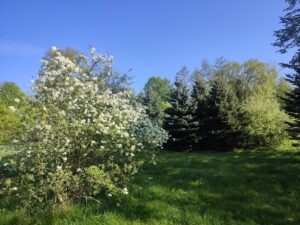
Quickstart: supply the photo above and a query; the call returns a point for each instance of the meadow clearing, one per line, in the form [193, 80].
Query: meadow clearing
[197, 188]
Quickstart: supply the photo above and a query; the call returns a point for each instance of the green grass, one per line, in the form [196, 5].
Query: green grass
[199, 188]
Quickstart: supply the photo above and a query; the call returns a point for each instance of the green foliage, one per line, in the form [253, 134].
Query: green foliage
[154, 106]
[241, 108]
[180, 121]
[232, 188]
[82, 141]
[282, 90]
[11, 97]
[263, 122]
[154, 97]
[292, 104]
[199, 94]
[258, 77]
[222, 109]
[160, 86]
[10, 124]
[9, 92]
[288, 38]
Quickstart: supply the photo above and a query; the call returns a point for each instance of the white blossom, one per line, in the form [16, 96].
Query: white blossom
[12, 108]
[73, 106]
[125, 191]
[67, 141]
[14, 189]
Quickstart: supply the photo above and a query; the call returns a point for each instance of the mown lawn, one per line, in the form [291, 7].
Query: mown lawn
[199, 188]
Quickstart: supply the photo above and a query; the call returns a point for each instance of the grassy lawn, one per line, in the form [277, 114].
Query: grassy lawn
[200, 188]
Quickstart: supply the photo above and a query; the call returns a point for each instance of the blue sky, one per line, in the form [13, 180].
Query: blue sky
[152, 37]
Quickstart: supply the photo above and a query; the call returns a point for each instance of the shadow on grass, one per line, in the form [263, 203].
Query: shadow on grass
[205, 188]
[262, 187]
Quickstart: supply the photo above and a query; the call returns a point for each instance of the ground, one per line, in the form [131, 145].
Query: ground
[206, 188]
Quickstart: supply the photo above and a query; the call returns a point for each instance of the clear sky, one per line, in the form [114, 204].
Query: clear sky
[152, 37]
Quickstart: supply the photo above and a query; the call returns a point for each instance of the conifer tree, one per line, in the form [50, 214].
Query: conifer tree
[289, 38]
[154, 107]
[222, 110]
[180, 121]
[199, 95]
[292, 100]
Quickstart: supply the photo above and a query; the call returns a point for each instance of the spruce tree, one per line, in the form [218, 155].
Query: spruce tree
[154, 107]
[199, 95]
[180, 121]
[292, 100]
[222, 112]
[289, 38]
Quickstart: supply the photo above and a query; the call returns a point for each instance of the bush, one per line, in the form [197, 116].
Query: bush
[263, 122]
[10, 124]
[83, 142]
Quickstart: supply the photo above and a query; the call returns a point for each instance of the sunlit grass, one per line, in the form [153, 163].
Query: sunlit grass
[199, 188]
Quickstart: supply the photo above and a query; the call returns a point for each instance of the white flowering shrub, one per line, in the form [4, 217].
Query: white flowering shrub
[82, 141]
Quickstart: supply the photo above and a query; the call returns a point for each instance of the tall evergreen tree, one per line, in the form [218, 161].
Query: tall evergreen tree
[153, 105]
[221, 114]
[292, 100]
[180, 121]
[199, 95]
[289, 38]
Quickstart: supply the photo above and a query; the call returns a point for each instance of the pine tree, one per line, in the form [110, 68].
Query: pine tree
[289, 38]
[222, 109]
[292, 100]
[199, 95]
[154, 107]
[180, 121]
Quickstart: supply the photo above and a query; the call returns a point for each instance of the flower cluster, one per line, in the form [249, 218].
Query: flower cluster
[84, 139]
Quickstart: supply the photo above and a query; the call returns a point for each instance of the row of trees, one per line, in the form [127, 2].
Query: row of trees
[230, 105]
[221, 106]
[225, 105]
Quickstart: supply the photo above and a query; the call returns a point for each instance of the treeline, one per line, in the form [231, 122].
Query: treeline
[231, 105]
[222, 106]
